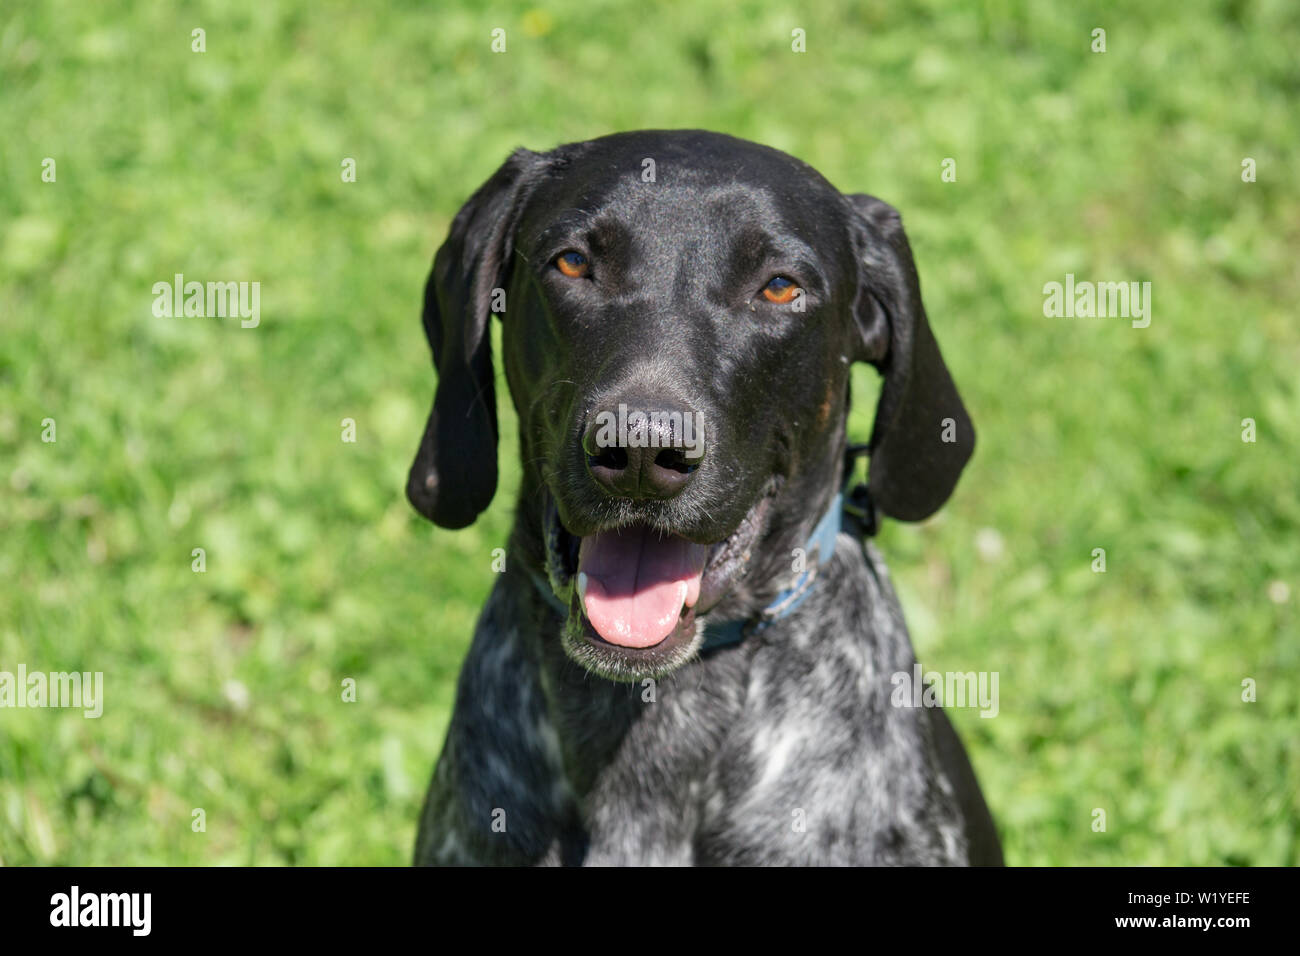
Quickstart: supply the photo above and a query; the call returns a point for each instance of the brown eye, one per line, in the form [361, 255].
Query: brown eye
[572, 264]
[780, 290]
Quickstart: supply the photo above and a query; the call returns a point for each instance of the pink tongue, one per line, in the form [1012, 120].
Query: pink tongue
[636, 583]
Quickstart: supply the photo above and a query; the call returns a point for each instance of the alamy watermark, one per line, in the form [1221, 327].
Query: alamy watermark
[1098, 300]
[61, 689]
[638, 429]
[219, 300]
[950, 689]
[130, 910]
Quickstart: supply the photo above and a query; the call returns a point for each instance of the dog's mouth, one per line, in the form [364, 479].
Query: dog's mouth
[637, 586]
[636, 594]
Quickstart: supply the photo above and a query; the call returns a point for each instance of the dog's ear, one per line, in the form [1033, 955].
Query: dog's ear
[454, 475]
[922, 437]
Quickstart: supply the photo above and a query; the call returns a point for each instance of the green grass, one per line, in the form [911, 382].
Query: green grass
[1119, 691]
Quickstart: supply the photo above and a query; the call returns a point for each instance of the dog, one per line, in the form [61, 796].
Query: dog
[687, 658]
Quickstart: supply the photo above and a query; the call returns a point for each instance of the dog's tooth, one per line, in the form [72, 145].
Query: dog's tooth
[582, 589]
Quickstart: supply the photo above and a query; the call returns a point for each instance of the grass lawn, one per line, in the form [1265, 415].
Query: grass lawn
[223, 690]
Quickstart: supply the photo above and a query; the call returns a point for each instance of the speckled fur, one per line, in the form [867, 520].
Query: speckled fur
[736, 748]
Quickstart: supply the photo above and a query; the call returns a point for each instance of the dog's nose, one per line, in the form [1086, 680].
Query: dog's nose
[644, 449]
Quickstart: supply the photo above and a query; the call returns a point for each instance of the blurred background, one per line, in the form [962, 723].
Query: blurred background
[1120, 691]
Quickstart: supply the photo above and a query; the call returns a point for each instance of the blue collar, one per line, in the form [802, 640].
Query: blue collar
[822, 541]
[817, 552]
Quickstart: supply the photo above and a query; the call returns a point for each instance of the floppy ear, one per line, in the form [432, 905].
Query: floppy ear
[922, 436]
[454, 475]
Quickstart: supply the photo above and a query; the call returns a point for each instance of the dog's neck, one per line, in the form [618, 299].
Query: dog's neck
[591, 715]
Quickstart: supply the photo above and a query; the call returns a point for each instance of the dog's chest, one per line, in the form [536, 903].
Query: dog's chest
[781, 750]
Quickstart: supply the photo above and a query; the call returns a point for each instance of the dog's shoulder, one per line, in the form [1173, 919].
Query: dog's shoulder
[498, 792]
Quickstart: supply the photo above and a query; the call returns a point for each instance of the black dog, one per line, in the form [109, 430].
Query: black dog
[686, 660]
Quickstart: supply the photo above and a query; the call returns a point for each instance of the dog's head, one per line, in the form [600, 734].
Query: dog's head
[680, 312]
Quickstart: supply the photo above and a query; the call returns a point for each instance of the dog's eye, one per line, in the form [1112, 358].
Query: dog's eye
[780, 290]
[572, 264]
